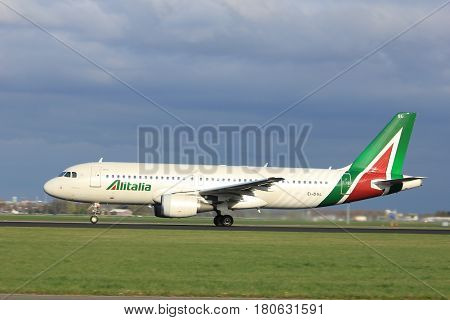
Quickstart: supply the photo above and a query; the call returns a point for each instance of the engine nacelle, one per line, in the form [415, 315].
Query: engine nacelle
[180, 206]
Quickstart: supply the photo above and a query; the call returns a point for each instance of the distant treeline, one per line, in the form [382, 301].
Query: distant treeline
[64, 207]
[68, 207]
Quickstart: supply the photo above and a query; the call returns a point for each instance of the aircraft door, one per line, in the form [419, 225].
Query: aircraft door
[96, 176]
[346, 182]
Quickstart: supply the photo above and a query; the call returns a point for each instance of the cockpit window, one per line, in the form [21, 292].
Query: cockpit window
[67, 175]
[62, 174]
[74, 174]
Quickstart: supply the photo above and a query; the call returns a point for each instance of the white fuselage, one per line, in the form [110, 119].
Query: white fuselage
[302, 188]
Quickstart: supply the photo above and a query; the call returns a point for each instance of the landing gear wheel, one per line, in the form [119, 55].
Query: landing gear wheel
[94, 210]
[217, 221]
[227, 221]
[94, 219]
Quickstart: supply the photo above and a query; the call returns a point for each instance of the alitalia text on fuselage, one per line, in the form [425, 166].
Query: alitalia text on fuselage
[129, 186]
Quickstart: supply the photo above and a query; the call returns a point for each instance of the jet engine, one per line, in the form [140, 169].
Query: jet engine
[180, 206]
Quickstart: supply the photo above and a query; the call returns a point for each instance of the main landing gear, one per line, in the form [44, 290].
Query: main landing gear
[223, 220]
[95, 208]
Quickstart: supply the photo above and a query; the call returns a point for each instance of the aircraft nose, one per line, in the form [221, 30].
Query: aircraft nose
[50, 187]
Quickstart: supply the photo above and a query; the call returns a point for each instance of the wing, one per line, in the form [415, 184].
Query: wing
[240, 187]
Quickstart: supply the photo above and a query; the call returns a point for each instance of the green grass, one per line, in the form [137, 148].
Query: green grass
[208, 221]
[223, 264]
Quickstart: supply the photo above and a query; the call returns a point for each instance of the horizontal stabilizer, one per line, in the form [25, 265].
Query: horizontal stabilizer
[383, 184]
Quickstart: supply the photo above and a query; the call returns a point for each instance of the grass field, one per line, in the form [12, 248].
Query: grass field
[223, 264]
[208, 221]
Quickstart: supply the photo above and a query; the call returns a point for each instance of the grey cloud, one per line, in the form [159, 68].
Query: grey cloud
[223, 61]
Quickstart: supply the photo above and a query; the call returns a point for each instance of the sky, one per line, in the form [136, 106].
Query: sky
[221, 62]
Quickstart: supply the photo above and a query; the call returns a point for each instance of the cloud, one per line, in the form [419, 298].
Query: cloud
[81, 18]
[246, 47]
[223, 61]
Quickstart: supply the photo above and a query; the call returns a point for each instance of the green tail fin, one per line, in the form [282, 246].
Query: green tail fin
[383, 157]
[395, 136]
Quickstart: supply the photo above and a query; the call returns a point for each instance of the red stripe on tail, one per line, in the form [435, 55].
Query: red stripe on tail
[363, 189]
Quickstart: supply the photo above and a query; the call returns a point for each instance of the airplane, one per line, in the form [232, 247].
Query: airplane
[181, 191]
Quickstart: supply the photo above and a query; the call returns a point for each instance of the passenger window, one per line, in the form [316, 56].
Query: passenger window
[67, 175]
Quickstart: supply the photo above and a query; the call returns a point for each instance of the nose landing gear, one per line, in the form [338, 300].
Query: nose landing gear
[95, 209]
[94, 219]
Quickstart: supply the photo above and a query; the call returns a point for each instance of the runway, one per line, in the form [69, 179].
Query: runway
[193, 227]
